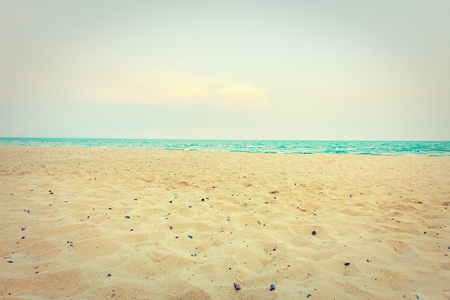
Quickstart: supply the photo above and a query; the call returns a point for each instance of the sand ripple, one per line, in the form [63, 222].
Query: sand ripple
[141, 224]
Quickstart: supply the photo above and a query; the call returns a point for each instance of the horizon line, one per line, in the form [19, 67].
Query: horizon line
[228, 139]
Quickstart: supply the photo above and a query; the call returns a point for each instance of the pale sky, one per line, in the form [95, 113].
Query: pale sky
[330, 69]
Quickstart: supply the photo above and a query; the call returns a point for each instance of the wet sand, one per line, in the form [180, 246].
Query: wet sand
[145, 224]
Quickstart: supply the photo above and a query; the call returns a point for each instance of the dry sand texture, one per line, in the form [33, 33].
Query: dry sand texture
[187, 225]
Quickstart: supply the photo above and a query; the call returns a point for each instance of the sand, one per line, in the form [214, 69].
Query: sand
[144, 224]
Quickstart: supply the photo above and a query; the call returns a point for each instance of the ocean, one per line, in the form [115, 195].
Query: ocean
[386, 148]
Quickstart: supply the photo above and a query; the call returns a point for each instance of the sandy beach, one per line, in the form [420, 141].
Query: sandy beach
[86, 223]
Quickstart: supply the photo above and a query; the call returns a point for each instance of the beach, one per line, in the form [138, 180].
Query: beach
[90, 223]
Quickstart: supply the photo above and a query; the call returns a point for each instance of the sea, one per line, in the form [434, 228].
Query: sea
[384, 148]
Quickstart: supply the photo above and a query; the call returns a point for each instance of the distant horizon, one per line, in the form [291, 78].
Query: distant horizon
[225, 139]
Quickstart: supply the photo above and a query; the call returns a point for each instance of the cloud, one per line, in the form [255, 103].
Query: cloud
[172, 87]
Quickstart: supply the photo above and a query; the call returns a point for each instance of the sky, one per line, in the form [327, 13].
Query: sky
[256, 69]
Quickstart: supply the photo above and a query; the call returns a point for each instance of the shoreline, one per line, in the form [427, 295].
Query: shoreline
[325, 225]
[331, 155]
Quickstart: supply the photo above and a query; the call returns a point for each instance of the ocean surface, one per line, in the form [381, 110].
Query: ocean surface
[387, 148]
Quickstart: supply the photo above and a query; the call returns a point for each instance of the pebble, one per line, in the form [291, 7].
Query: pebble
[237, 287]
[272, 287]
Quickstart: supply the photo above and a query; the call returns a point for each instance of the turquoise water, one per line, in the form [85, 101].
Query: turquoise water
[428, 148]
